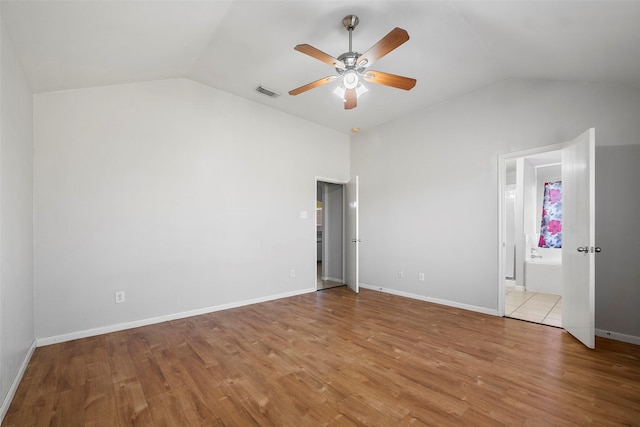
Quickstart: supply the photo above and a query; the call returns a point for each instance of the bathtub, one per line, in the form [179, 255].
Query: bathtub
[543, 275]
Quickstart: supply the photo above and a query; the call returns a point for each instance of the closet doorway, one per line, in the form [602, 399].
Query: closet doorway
[329, 235]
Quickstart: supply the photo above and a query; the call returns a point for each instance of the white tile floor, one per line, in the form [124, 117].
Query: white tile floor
[534, 307]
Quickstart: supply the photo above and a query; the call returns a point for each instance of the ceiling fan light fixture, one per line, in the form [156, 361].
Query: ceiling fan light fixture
[340, 91]
[350, 79]
[361, 89]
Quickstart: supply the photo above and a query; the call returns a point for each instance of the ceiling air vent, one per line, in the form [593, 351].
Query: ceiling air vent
[265, 91]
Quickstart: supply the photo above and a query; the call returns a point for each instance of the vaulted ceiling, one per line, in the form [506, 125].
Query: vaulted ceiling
[455, 47]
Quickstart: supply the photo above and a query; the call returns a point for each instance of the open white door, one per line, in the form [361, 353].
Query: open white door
[578, 246]
[351, 235]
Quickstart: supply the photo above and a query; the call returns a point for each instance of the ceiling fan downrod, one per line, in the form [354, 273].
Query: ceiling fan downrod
[350, 22]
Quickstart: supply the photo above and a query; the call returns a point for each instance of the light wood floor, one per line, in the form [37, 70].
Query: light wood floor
[332, 358]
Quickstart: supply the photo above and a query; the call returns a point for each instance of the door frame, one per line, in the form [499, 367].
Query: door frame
[502, 186]
[343, 184]
[352, 234]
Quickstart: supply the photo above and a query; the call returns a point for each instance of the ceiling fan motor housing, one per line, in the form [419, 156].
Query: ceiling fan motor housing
[349, 59]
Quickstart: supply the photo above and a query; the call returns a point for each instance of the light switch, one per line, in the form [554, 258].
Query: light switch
[303, 214]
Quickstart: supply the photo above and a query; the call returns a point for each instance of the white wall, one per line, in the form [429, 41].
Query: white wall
[172, 192]
[428, 182]
[618, 234]
[16, 222]
[428, 200]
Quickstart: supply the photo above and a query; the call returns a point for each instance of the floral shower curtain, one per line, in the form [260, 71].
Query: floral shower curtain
[551, 225]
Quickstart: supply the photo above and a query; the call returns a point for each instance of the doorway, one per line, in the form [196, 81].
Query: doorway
[329, 235]
[577, 256]
[533, 266]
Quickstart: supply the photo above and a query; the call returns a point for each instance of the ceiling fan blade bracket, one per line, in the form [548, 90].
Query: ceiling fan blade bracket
[319, 55]
[392, 80]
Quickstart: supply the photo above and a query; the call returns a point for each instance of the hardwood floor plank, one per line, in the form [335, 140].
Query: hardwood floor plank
[165, 410]
[197, 410]
[72, 373]
[359, 412]
[100, 401]
[132, 406]
[122, 367]
[150, 377]
[36, 411]
[486, 417]
[66, 408]
[94, 349]
[332, 358]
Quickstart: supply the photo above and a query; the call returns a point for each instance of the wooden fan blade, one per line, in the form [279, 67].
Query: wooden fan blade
[395, 38]
[312, 85]
[351, 99]
[392, 80]
[318, 54]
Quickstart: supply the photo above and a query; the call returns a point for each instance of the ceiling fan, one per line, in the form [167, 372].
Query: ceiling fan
[352, 67]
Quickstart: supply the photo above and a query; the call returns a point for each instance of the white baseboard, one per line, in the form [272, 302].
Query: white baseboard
[448, 303]
[631, 339]
[16, 382]
[40, 342]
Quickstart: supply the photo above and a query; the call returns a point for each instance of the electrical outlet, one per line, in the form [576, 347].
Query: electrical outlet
[293, 273]
[119, 297]
[400, 274]
[421, 277]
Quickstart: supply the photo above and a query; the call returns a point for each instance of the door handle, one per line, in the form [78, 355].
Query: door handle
[586, 249]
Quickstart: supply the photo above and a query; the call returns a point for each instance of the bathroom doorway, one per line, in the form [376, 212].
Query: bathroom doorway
[533, 266]
[576, 259]
[329, 235]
